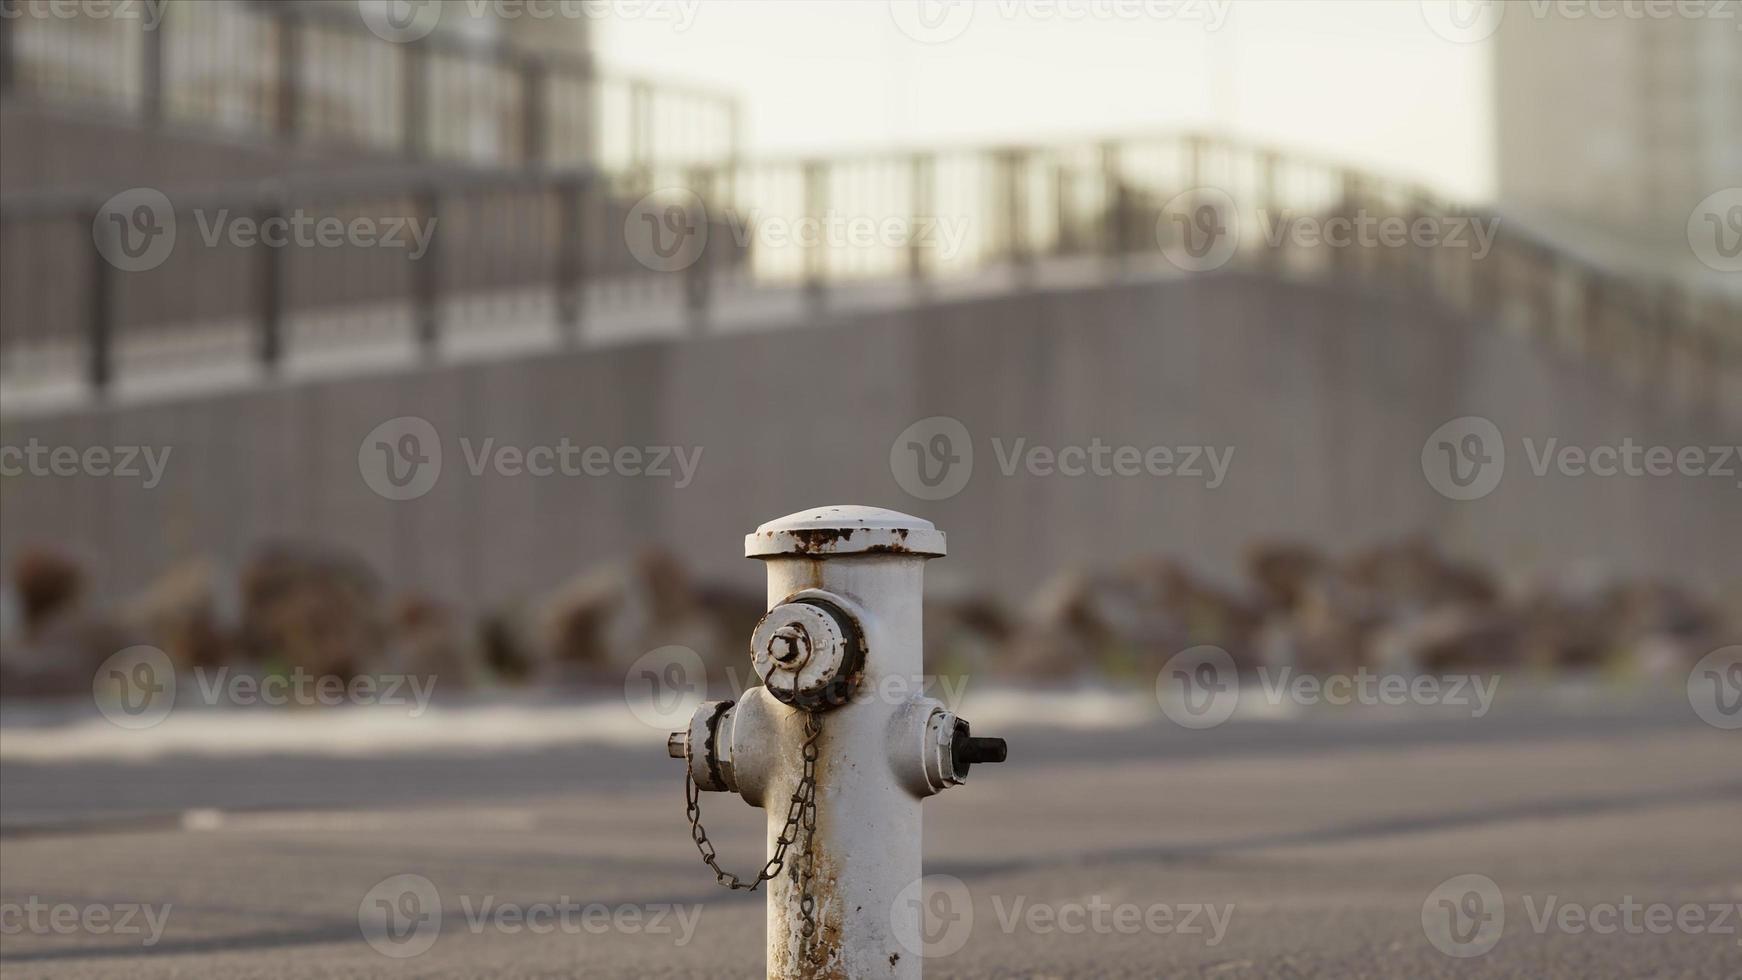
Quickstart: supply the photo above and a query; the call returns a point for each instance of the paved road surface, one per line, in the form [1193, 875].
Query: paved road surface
[1317, 842]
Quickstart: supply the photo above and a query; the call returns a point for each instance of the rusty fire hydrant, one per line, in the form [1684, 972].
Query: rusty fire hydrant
[839, 745]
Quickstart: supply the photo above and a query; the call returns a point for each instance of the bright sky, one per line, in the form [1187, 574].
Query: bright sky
[1365, 81]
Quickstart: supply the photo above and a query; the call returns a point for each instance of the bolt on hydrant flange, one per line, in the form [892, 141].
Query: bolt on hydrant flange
[839, 765]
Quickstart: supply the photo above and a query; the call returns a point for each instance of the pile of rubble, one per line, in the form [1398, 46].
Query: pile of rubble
[1400, 606]
[1397, 606]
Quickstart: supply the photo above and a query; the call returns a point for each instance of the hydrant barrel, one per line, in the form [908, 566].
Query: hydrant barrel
[867, 837]
[839, 745]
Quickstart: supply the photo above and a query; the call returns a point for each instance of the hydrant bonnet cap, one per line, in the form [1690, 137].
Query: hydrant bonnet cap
[845, 530]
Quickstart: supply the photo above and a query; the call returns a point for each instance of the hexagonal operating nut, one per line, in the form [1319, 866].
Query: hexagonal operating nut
[790, 645]
[807, 651]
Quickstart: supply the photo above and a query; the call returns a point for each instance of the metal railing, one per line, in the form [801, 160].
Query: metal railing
[315, 74]
[535, 255]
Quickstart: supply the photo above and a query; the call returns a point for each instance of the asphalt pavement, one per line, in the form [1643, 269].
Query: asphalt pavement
[1584, 844]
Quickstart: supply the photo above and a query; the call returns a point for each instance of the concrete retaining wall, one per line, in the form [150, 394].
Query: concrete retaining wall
[1325, 397]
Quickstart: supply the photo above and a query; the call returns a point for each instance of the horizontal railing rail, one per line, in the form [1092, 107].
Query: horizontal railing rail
[315, 74]
[440, 261]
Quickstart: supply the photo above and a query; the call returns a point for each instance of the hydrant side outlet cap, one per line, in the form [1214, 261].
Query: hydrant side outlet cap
[845, 530]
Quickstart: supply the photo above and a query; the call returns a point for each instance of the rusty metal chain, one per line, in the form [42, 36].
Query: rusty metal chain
[801, 813]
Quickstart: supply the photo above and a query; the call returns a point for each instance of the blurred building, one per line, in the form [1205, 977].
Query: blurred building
[1613, 130]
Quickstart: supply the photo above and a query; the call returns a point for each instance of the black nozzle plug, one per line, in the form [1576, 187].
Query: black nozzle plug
[972, 750]
[966, 750]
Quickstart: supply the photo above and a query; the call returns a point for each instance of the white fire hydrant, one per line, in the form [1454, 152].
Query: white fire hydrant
[838, 745]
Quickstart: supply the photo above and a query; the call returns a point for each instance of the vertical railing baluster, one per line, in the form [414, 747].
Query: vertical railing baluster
[100, 321]
[290, 46]
[1114, 204]
[1273, 261]
[534, 111]
[426, 278]
[640, 124]
[698, 277]
[922, 203]
[571, 256]
[271, 287]
[1014, 169]
[151, 109]
[1064, 232]
[815, 207]
[414, 100]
